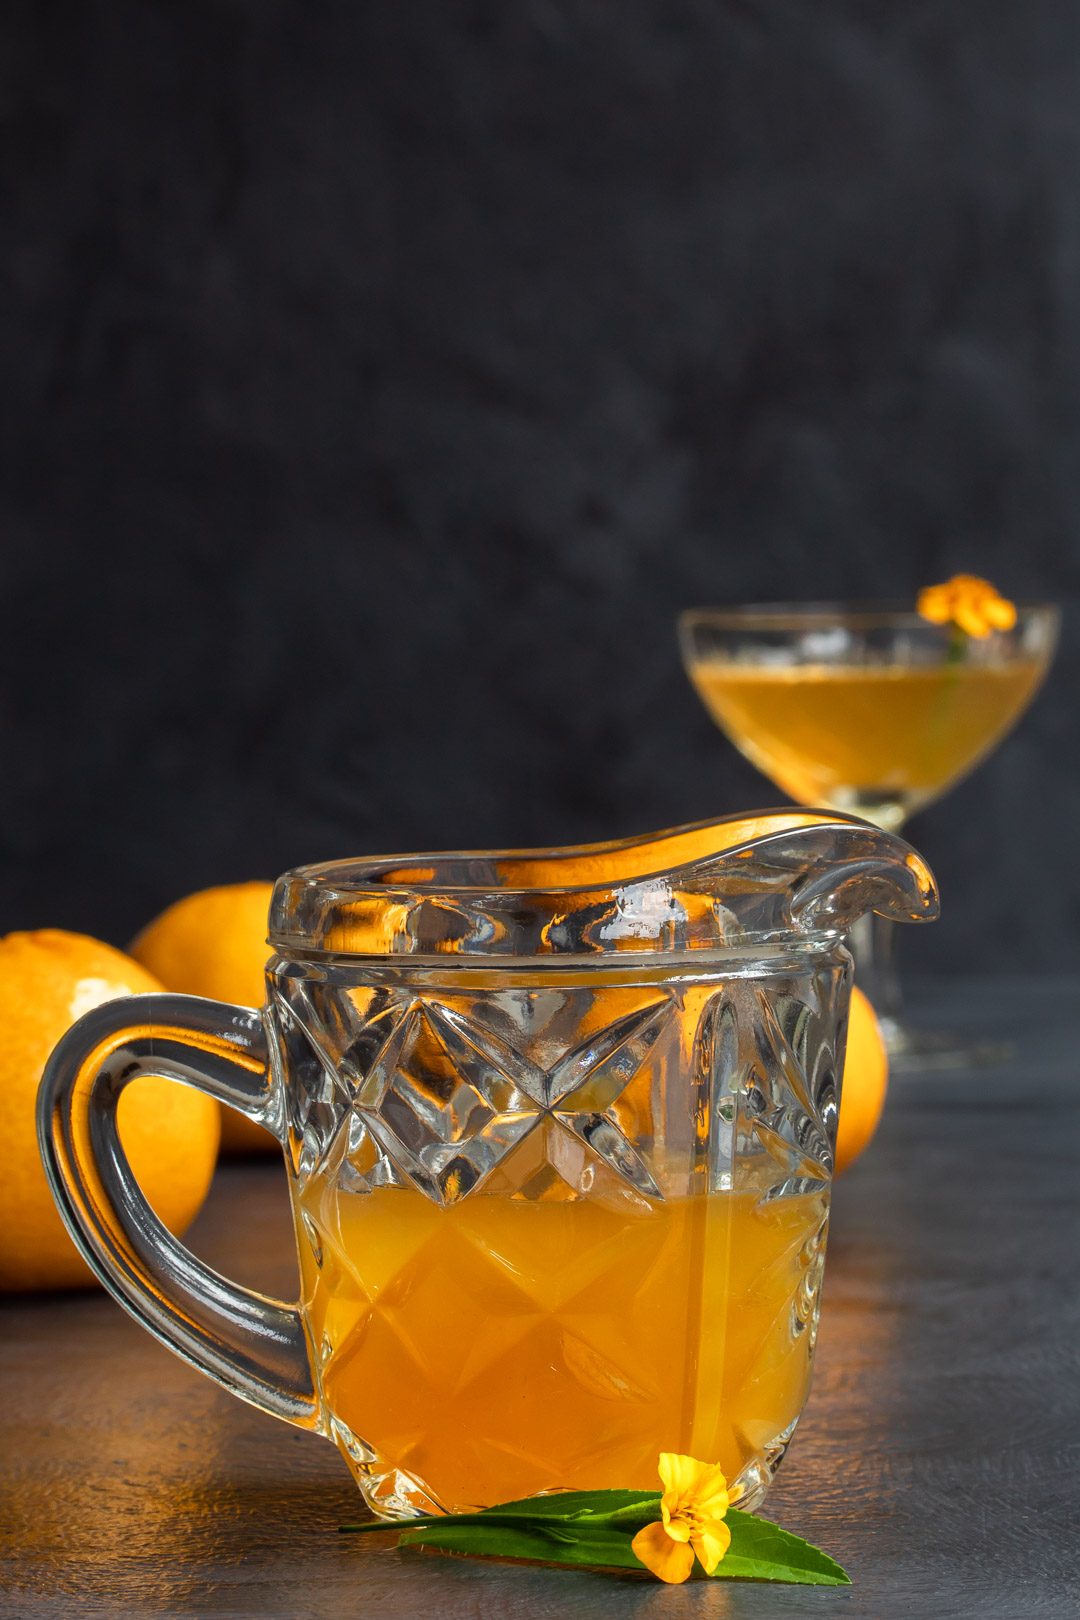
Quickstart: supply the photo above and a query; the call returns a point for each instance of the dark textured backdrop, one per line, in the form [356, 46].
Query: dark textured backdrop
[382, 378]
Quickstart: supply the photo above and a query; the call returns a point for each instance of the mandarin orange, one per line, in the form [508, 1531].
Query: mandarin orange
[866, 1076]
[170, 1133]
[213, 943]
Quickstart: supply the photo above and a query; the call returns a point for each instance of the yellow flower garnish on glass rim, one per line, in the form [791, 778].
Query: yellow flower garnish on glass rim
[967, 601]
[695, 1500]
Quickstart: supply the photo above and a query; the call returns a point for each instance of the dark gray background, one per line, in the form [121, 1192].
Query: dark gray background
[381, 379]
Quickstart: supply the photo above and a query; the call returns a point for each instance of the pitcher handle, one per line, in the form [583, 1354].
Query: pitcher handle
[254, 1346]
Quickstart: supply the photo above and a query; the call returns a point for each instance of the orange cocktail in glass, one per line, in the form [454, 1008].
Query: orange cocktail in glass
[880, 740]
[501, 1345]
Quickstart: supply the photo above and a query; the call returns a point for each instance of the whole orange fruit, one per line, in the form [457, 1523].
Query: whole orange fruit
[866, 1077]
[213, 944]
[48, 979]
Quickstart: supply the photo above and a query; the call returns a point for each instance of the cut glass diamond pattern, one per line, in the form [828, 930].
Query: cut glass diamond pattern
[788, 1096]
[317, 1095]
[446, 1101]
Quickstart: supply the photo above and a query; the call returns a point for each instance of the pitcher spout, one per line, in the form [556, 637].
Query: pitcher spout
[766, 878]
[848, 868]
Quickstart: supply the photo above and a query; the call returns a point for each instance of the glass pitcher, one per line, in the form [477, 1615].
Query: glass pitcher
[559, 1134]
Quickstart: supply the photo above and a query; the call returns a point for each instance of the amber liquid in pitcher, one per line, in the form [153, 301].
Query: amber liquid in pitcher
[499, 1346]
[863, 737]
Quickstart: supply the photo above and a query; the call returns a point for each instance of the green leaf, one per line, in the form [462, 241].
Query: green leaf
[596, 1529]
[569, 1504]
[761, 1551]
[627, 1508]
[545, 1543]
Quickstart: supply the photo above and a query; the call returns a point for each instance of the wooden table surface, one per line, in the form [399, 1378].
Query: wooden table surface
[939, 1456]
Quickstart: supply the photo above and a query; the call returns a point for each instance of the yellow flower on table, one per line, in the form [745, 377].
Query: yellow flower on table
[967, 601]
[695, 1501]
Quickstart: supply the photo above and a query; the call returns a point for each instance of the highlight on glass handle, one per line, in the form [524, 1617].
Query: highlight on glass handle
[254, 1346]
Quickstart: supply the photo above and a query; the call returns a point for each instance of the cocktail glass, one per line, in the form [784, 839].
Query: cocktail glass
[871, 710]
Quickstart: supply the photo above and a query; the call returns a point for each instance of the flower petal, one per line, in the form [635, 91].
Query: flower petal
[676, 1525]
[970, 619]
[668, 1560]
[710, 1488]
[1001, 613]
[711, 1543]
[678, 1474]
[933, 604]
[970, 602]
[711, 1508]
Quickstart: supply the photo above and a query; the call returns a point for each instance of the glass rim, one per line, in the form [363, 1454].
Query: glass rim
[857, 615]
[701, 887]
[424, 873]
